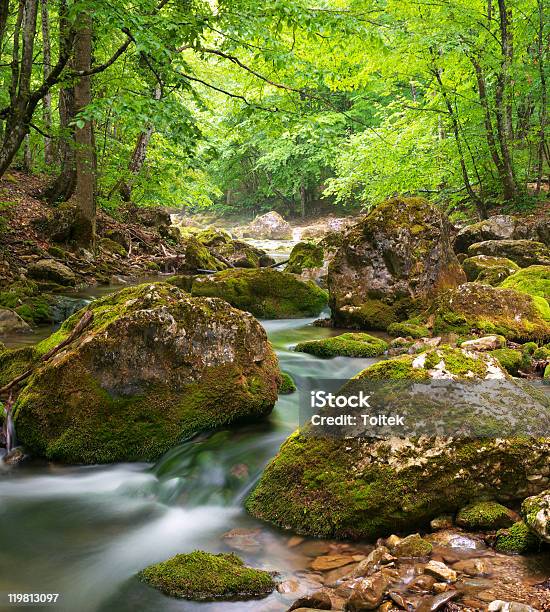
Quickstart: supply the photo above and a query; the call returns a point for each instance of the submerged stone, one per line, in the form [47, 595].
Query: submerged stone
[202, 576]
[154, 367]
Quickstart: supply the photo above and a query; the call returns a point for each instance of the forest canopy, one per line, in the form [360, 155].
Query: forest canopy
[246, 106]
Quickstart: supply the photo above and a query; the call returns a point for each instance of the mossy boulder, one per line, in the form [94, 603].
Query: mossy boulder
[305, 256]
[409, 329]
[111, 246]
[287, 386]
[499, 227]
[394, 259]
[477, 308]
[203, 576]
[198, 257]
[265, 292]
[345, 345]
[52, 271]
[534, 280]
[365, 487]
[511, 360]
[412, 546]
[268, 226]
[517, 539]
[536, 513]
[523, 252]
[234, 252]
[485, 515]
[154, 367]
[14, 362]
[487, 269]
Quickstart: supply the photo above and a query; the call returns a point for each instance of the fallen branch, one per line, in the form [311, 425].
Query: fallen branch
[84, 322]
[279, 263]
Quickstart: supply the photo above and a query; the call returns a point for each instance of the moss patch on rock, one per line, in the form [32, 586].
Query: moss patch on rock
[536, 513]
[266, 293]
[510, 359]
[476, 308]
[485, 515]
[523, 252]
[305, 256]
[412, 329]
[155, 367]
[198, 257]
[345, 345]
[203, 576]
[534, 280]
[488, 269]
[287, 386]
[517, 539]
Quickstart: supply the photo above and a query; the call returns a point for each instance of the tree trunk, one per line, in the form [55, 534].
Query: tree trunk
[303, 199]
[27, 155]
[138, 156]
[4, 12]
[85, 191]
[47, 101]
[544, 95]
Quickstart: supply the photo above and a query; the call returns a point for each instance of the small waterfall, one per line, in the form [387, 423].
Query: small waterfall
[9, 427]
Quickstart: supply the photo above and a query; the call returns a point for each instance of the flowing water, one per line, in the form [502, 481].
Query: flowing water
[84, 532]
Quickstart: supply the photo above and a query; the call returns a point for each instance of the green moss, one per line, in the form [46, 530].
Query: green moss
[57, 252]
[476, 308]
[204, 576]
[529, 348]
[287, 385]
[485, 515]
[457, 362]
[412, 546]
[112, 247]
[266, 293]
[410, 329]
[213, 237]
[345, 345]
[304, 256]
[511, 360]
[546, 374]
[24, 297]
[487, 269]
[14, 362]
[534, 280]
[517, 539]
[542, 353]
[198, 257]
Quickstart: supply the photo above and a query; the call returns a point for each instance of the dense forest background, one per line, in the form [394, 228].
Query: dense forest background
[298, 106]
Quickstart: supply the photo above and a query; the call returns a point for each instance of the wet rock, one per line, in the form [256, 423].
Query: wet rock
[485, 515]
[471, 567]
[442, 522]
[154, 367]
[440, 571]
[516, 539]
[52, 271]
[422, 584]
[509, 606]
[329, 562]
[378, 557]
[367, 594]
[288, 586]
[14, 457]
[233, 252]
[12, 323]
[245, 540]
[344, 345]
[319, 601]
[430, 604]
[264, 292]
[522, 252]
[486, 343]
[294, 541]
[536, 513]
[398, 256]
[269, 226]
[412, 546]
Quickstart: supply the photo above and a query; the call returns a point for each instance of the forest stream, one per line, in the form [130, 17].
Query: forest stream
[85, 532]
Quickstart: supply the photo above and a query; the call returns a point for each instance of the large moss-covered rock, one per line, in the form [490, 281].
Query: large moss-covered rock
[517, 539]
[474, 307]
[536, 513]
[485, 515]
[154, 367]
[523, 252]
[198, 257]
[305, 256]
[395, 258]
[366, 487]
[487, 269]
[203, 576]
[268, 226]
[534, 280]
[53, 271]
[345, 345]
[265, 292]
[233, 252]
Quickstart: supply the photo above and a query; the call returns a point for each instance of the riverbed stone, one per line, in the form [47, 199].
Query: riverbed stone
[357, 487]
[264, 292]
[523, 252]
[536, 513]
[202, 576]
[476, 308]
[270, 226]
[12, 323]
[485, 343]
[52, 271]
[236, 253]
[154, 367]
[344, 345]
[485, 515]
[396, 258]
[440, 571]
